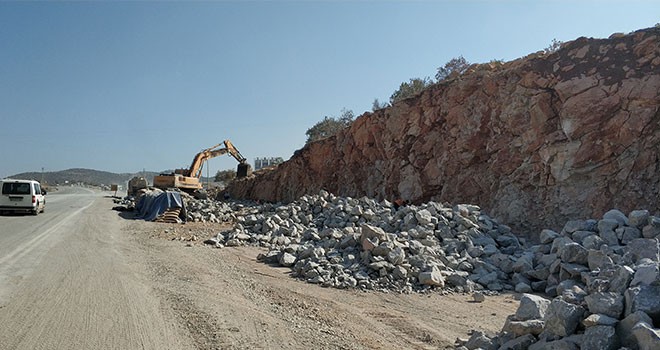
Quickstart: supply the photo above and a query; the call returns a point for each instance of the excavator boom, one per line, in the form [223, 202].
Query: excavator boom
[188, 179]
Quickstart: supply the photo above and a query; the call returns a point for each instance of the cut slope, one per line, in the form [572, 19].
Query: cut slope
[535, 142]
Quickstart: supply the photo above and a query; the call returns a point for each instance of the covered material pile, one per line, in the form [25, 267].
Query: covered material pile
[161, 206]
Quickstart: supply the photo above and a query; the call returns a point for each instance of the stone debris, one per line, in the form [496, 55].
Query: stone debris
[209, 210]
[600, 278]
[344, 242]
[604, 280]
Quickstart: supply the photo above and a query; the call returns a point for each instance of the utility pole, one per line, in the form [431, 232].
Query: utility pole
[42, 176]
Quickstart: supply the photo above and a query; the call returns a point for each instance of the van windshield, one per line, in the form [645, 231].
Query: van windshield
[15, 188]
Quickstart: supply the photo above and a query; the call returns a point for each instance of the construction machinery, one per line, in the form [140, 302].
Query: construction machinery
[136, 184]
[188, 179]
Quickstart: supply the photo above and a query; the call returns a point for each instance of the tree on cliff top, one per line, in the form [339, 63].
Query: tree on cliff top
[329, 126]
[410, 89]
[454, 67]
[225, 175]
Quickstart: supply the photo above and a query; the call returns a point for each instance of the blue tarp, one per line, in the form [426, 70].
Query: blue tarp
[154, 203]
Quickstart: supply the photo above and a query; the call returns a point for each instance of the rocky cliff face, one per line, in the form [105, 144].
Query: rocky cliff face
[534, 142]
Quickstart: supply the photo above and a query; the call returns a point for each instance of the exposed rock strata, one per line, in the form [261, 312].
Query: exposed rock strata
[535, 142]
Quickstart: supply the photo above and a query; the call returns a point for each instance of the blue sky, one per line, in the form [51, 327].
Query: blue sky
[122, 86]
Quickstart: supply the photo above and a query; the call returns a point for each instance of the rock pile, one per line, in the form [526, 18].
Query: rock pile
[345, 242]
[208, 210]
[604, 276]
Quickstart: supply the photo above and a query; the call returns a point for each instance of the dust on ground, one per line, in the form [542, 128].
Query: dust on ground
[226, 299]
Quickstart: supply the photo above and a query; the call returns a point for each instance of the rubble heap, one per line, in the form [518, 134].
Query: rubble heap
[345, 242]
[605, 279]
[604, 275]
[208, 210]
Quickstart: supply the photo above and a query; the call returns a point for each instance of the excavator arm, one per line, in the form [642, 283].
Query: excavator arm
[195, 169]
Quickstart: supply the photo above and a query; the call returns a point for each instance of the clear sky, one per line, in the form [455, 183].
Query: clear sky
[122, 86]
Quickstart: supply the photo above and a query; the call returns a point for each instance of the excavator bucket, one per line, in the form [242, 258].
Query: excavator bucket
[242, 170]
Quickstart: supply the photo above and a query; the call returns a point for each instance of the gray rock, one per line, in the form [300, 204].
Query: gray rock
[571, 271]
[396, 256]
[271, 257]
[561, 318]
[478, 297]
[617, 215]
[488, 278]
[382, 249]
[644, 248]
[519, 328]
[628, 234]
[547, 236]
[371, 236]
[625, 327]
[647, 337]
[532, 307]
[574, 295]
[647, 274]
[554, 345]
[607, 225]
[638, 218]
[559, 243]
[579, 225]
[644, 298]
[287, 259]
[479, 340]
[593, 242]
[652, 230]
[596, 259]
[540, 273]
[423, 217]
[599, 338]
[609, 237]
[457, 279]
[520, 343]
[523, 288]
[620, 279]
[539, 286]
[432, 278]
[400, 273]
[574, 253]
[610, 304]
[599, 320]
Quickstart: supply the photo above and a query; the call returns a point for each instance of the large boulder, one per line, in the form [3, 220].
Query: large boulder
[562, 318]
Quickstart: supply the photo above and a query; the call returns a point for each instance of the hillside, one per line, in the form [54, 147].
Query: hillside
[86, 176]
[535, 142]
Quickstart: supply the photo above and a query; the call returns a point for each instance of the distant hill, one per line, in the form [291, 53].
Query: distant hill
[87, 176]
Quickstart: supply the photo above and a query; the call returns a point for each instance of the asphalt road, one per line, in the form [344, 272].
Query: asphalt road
[24, 239]
[68, 281]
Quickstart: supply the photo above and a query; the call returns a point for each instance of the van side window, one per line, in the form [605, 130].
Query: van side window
[37, 189]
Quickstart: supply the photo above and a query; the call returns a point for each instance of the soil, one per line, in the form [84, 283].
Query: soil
[90, 278]
[226, 299]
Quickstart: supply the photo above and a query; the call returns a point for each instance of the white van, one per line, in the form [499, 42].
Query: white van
[22, 195]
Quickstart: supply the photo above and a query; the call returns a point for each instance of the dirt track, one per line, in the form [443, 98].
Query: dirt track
[111, 283]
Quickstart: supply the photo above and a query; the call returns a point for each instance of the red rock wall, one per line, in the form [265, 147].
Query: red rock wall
[534, 142]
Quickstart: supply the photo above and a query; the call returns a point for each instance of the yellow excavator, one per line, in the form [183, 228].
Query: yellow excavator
[188, 179]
